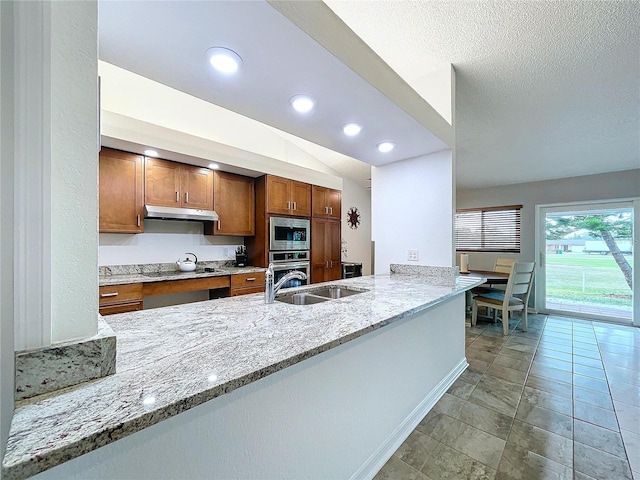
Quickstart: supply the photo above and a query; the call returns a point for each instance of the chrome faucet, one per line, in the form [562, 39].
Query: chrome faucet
[271, 289]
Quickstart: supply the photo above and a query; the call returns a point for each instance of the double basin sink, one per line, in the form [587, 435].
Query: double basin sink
[317, 295]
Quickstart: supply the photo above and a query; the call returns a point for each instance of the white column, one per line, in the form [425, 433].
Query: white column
[55, 172]
[7, 371]
[412, 209]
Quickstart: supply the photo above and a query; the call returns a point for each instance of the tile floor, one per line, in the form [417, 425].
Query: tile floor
[561, 401]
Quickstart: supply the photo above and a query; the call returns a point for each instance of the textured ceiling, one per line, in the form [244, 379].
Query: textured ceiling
[544, 89]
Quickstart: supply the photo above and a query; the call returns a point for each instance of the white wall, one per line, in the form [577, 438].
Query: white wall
[74, 169]
[164, 241]
[56, 161]
[358, 241]
[6, 222]
[576, 189]
[412, 208]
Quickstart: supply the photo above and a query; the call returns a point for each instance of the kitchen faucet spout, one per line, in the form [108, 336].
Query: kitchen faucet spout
[271, 290]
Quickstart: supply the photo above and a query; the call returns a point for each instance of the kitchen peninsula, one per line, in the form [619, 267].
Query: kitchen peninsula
[326, 391]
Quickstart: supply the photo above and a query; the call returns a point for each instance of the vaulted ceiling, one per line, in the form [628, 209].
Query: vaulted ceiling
[543, 89]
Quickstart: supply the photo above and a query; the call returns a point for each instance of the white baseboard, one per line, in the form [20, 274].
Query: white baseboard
[376, 461]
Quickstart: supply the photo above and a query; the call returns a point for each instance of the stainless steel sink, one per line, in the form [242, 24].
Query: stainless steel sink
[300, 298]
[335, 291]
[317, 295]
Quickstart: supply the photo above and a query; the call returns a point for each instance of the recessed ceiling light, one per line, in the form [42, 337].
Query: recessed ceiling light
[224, 60]
[214, 166]
[302, 103]
[151, 153]
[351, 129]
[385, 147]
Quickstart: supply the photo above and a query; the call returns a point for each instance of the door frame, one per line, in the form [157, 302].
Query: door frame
[540, 249]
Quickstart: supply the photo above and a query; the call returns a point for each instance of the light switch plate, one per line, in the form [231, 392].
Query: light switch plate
[412, 255]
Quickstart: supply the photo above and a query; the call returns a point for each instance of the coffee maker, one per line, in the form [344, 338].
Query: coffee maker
[241, 256]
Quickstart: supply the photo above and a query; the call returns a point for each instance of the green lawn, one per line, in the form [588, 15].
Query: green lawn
[587, 279]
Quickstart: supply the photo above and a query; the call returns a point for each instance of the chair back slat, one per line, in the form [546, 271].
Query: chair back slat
[504, 265]
[520, 280]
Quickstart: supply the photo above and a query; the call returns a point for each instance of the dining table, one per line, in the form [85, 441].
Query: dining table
[492, 278]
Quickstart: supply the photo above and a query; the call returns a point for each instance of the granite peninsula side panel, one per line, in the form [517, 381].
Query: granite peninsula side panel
[51, 368]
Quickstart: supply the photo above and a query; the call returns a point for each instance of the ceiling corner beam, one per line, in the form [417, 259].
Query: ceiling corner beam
[318, 21]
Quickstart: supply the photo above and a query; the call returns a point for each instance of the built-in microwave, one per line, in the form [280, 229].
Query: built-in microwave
[289, 233]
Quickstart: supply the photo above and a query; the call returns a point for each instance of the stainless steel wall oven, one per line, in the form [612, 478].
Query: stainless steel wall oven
[289, 233]
[284, 262]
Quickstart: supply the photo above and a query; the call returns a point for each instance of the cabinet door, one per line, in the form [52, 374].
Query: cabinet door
[334, 202]
[197, 187]
[278, 195]
[300, 199]
[333, 246]
[326, 242]
[121, 192]
[233, 201]
[162, 183]
[320, 208]
[319, 261]
[326, 202]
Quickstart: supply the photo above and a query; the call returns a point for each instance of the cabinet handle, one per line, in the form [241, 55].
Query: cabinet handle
[138, 219]
[295, 206]
[186, 197]
[330, 263]
[326, 264]
[219, 223]
[113, 294]
[330, 210]
[177, 197]
[326, 210]
[251, 279]
[288, 205]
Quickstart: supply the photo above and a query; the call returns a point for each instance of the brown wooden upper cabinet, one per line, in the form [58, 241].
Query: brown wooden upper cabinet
[288, 197]
[325, 250]
[171, 184]
[121, 192]
[326, 202]
[234, 202]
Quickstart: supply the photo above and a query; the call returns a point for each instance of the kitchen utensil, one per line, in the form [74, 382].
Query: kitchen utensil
[187, 265]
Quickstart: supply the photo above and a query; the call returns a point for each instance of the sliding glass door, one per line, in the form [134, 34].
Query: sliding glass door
[586, 254]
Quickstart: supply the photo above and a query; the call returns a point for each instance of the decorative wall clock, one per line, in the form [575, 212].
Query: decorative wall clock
[353, 217]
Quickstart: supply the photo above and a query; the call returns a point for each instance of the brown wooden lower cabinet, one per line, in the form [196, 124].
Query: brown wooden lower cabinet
[326, 241]
[120, 308]
[129, 297]
[245, 283]
[120, 298]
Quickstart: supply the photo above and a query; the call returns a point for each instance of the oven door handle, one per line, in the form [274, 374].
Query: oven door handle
[289, 266]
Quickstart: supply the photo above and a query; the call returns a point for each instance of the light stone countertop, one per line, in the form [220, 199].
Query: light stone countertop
[174, 358]
[174, 275]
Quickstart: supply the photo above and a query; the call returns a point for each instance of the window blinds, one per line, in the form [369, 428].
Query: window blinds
[491, 229]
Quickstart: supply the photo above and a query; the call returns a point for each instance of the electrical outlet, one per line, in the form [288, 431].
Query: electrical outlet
[412, 255]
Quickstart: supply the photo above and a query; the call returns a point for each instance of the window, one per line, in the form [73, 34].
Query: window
[491, 229]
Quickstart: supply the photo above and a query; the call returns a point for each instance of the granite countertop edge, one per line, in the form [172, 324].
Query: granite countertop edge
[107, 280]
[28, 463]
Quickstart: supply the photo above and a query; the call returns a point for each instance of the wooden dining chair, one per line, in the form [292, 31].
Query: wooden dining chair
[504, 265]
[520, 280]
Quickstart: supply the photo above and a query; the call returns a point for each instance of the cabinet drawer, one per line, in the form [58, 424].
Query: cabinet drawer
[121, 308]
[120, 293]
[247, 290]
[247, 279]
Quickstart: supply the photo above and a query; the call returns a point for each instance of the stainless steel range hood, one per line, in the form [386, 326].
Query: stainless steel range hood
[172, 213]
